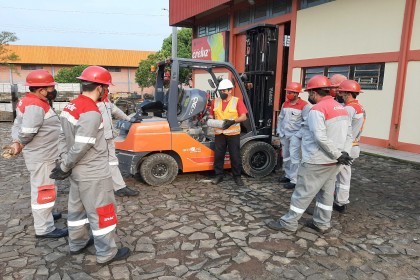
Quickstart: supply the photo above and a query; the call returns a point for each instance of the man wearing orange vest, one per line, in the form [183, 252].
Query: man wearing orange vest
[232, 111]
[347, 94]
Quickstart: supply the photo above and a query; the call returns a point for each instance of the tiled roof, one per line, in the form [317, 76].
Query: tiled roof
[77, 56]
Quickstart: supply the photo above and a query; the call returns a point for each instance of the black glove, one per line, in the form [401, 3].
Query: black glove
[227, 124]
[58, 174]
[345, 159]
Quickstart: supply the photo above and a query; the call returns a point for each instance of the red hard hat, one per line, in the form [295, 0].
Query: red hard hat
[337, 79]
[96, 74]
[294, 87]
[318, 81]
[39, 78]
[350, 86]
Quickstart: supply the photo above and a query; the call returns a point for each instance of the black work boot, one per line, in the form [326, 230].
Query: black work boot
[122, 254]
[284, 180]
[289, 186]
[238, 181]
[126, 192]
[217, 179]
[81, 250]
[56, 216]
[275, 225]
[57, 233]
[340, 208]
[310, 224]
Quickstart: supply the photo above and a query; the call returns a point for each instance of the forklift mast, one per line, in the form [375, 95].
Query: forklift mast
[260, 68]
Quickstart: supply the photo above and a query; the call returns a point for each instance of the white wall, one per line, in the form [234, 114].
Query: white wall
[415, 37]
[348, 27]
[377, 103]
[410, 128]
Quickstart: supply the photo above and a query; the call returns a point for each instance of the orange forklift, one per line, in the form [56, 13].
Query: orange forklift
[170, 134]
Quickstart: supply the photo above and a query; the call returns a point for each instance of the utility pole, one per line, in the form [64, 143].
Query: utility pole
[174, 38]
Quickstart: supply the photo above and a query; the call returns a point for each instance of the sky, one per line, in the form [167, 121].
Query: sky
[124, 24]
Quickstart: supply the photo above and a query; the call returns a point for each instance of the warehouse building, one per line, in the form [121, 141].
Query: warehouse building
[376, 42]
[121, 63]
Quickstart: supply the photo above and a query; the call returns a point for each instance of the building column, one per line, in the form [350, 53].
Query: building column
[407, 29]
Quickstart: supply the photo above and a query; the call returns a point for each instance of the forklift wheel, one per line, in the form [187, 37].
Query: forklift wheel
[258, 158]
[159, 169]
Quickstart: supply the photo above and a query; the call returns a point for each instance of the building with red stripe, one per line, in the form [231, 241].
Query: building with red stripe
[375, 42]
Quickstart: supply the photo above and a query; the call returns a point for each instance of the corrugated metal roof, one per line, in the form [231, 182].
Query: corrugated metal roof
[181, 10]
[77, 56]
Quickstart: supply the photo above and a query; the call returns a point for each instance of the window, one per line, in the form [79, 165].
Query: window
[312, 3]
[222, 24]
[281, 7]
[369, 76]
[262, 11]
[30, 67]
[113, 69]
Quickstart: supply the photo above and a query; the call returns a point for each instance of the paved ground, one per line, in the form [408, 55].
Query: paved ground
[194, 230]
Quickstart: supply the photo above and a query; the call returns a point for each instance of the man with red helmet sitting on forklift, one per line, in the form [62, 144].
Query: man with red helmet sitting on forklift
[292, 114]
[232, 111]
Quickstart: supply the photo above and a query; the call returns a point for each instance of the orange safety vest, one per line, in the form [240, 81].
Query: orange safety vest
[230, 113]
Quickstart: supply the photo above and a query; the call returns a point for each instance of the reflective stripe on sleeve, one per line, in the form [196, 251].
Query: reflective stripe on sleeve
[77, 223]
[286, 159]
[29, 130]
[42, 206]
[343, 187]
[103, 231]
[297, 210]
[113, 163]
[323, 206]
[84, 139]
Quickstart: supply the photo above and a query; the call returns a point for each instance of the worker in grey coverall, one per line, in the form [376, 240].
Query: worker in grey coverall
[347, 94]
[35, 130]
[108, 110]
[325, 146]
[290, 122]
[84, 157]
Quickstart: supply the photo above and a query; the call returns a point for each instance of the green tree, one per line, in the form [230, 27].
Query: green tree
[68, 75]
[7, 56]
[184, 44]
[144, 77]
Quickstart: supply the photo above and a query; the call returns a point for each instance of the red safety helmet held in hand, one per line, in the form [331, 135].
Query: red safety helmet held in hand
[318, 81]
[294, 87]
[39, 78]
[96, 74]
[350, 86]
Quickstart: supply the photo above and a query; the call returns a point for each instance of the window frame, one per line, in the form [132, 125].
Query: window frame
[350, 73]
[303, 4]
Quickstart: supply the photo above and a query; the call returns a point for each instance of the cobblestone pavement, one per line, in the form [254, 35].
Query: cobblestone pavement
[195, 230]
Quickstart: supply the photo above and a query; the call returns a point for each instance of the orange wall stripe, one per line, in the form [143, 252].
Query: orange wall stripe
[374, 141]
[414, 55]
[410, 7]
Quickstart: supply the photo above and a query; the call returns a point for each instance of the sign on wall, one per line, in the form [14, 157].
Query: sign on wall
[213, 47]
